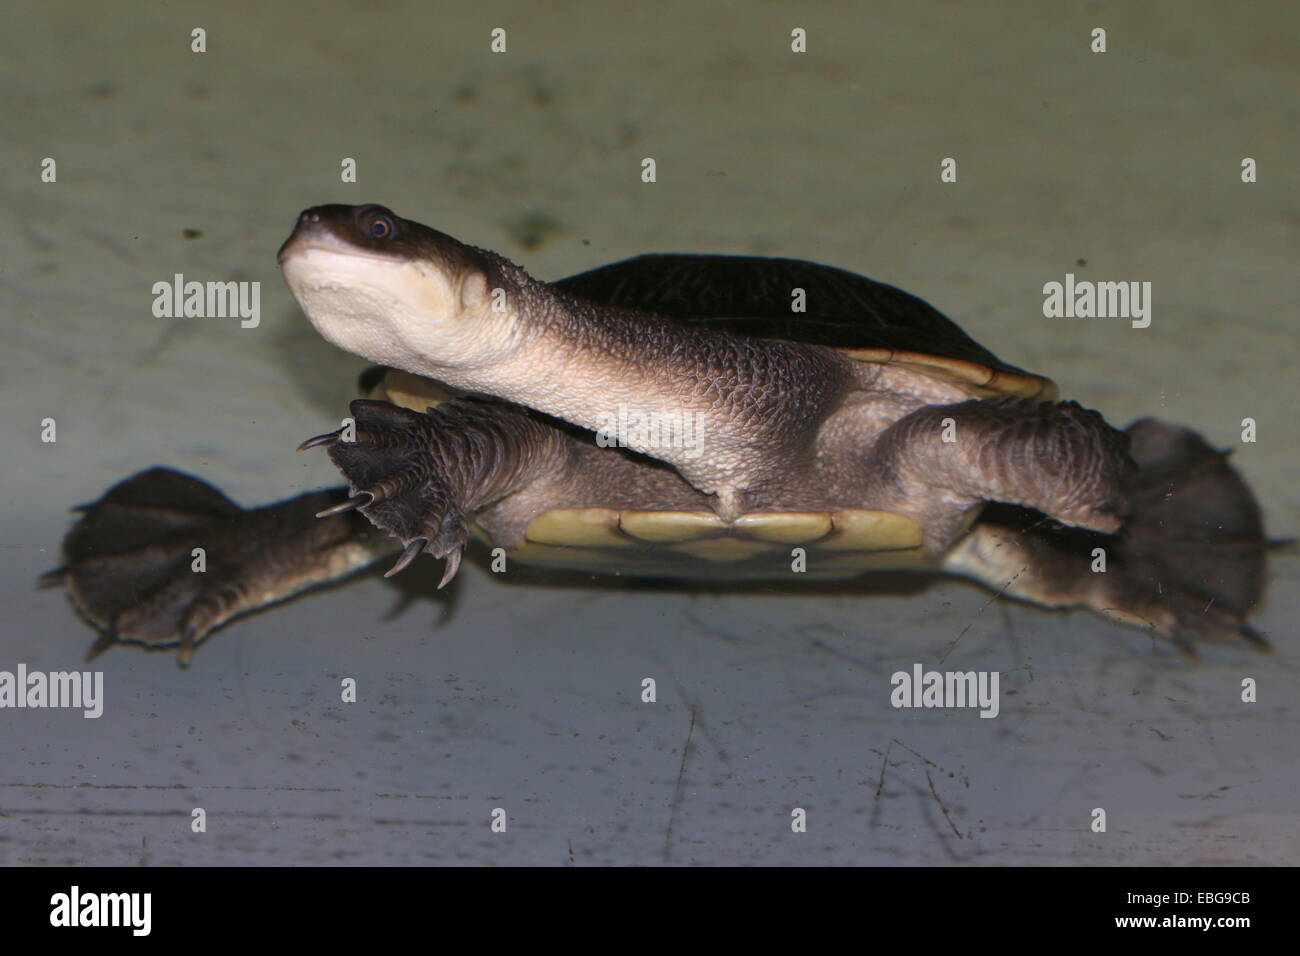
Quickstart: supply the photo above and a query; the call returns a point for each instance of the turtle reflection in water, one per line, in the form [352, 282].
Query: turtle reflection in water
[867, 430]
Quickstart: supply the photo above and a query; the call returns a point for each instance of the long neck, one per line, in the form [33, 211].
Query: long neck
[742, 402]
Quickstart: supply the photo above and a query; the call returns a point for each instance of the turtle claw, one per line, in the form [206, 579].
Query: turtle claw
[53, 578]
[404, 485]
[413, 549]
[1184, 646]
[1219, 623]
[1255, 639]
[327, 439]
[102, 643]
[359, 500]
[453, 565]
[186, 649]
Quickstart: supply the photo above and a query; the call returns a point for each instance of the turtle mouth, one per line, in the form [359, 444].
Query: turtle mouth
[369, 232]
[314, 248]
[301, 250]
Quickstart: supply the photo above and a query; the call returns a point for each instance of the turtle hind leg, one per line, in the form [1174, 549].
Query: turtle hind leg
[1190, 561]
[938, 463]
[132, 570]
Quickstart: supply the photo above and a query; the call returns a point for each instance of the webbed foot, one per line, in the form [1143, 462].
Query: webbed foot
[1189, 562]
[163, 558]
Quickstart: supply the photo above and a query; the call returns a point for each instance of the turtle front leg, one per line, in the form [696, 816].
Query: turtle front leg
[420, 476]
[941, 461]
[164, 558]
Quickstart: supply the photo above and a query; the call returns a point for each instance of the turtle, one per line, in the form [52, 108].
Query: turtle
[717, 417]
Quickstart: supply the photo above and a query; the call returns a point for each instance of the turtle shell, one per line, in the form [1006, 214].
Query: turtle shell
[867, 320]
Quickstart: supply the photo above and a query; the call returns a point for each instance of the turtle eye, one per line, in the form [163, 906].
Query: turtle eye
[381, 227]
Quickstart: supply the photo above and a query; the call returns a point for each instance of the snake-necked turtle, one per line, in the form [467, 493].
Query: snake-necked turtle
[679, 416]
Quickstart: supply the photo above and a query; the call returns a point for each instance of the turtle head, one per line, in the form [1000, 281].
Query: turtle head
[399, 293]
